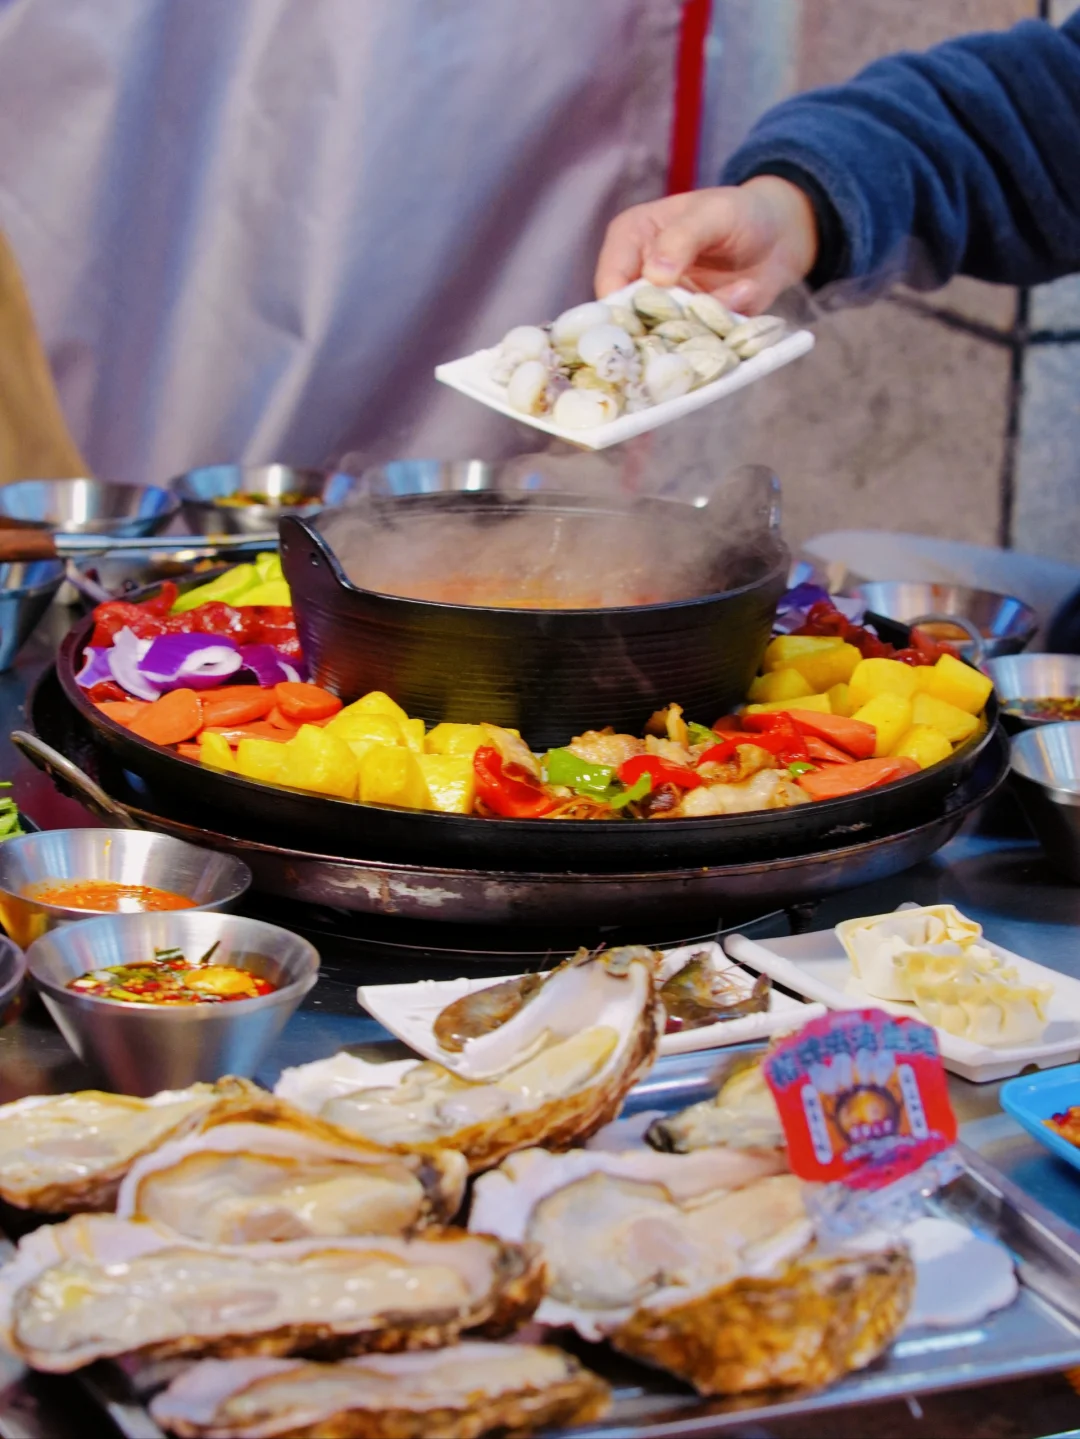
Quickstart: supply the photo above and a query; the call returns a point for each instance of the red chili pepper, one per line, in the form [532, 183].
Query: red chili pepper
[116, 615]
[163, 601]
[509, 789]
[786, 747]
[660, 771]
[777, 732]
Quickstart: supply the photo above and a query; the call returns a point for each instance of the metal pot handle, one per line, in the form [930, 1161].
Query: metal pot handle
[69, 777]
[978, 644]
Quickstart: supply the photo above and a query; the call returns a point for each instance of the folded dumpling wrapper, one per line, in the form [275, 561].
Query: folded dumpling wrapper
[877, 946]
[932, 958]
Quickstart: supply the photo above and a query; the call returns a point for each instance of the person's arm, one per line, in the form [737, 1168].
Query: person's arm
[965, 159]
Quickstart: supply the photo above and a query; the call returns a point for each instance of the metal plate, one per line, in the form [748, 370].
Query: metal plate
[700, 896]
[1038, 1333]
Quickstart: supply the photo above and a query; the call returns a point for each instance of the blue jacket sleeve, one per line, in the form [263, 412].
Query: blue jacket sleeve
[965, 159]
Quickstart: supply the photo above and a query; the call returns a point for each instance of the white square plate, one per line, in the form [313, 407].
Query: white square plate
[472, 376]
[409, 1012]
[815, 965]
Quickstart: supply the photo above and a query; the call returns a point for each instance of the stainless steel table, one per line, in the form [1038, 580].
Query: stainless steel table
[995, 873]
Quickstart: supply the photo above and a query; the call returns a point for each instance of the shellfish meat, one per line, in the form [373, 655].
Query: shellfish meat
[568, 329]
[685, 1268]
[250, 1183]
[585, 409]
[459, 1393]
[63, 1153]
[668, 376]
[150, 1295]
[527, 389]
[555, 1072]
[742, 1115]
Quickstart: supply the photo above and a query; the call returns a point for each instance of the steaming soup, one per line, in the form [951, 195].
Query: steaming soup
[106, 896]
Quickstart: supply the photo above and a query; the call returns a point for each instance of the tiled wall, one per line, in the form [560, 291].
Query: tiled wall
[956, 413]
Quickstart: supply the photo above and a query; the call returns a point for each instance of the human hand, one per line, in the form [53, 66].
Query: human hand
[744, 244]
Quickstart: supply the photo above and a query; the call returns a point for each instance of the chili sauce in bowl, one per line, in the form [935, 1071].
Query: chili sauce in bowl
[106, 896]
[170, 978]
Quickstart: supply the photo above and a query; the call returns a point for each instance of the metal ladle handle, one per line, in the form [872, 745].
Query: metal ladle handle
[978, 644]
[69, 776]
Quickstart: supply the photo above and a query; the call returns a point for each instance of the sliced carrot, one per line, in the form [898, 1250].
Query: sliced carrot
[844, 779]
[278, 720]
[258, 729]
[853, 735]
[122, 711]
[825, 753]
[305, 703]
[173, 718]
[237, 704]
[189, 751]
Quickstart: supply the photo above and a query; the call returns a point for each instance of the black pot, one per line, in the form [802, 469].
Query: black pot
[550, 673]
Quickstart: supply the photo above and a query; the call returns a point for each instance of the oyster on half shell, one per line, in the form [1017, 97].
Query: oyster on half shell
[458, 1393]
[63, 1153]
[252, 1183]
[701, 1264]
[742, 1114]
[553, 1074]
[144, 1293]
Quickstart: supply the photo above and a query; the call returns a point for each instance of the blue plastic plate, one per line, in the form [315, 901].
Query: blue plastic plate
[1031, 1098]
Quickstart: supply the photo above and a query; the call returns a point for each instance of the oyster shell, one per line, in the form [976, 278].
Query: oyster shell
[679, 1264]
[459, 1393]
[620, 1230]
[742, 1115]
[63, 1153]
[249, 1183]
[140, 1292]
[552, 1074]
[708, 309]
[668, 376]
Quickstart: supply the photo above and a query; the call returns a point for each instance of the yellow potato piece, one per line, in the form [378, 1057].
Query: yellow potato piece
[461, 739]
[391, 774]
[828, 667]
[926, 746]
[958, 684]
[955, 724]
[261, 759]
[840, 699]
[412, 732]
[215, 751]
[783, 650]
[451, 781]
[890, 714]
[320, 762]
[819, 703]
[876, 677]
[353, 724]
[376, 703]
[786, 684]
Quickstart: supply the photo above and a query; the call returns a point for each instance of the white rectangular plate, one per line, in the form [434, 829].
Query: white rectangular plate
[472, 376]
[815, 965]
[409, 1012]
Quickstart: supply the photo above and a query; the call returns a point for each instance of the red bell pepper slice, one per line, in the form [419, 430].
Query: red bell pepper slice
[840, 780]
[509, 789]
[660, 771]
[778, 732]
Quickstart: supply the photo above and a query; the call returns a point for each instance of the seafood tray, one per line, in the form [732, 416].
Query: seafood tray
[472, 376]
[1038, 1333]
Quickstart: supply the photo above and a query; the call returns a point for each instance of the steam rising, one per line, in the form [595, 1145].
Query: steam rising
[517, 538]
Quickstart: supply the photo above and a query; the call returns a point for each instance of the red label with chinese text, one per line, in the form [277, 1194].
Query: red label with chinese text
[862, 1097]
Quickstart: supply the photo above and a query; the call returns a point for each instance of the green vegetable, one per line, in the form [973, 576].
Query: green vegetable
[638, 790]
[9, 816]
[234, 584]
[563, 766]
[701, 734]
[800, 766]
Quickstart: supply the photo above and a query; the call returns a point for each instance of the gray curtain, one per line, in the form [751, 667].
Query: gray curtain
[250, 228]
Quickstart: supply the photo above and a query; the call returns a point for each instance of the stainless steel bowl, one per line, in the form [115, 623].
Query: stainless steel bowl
[1033, 677]
[1006, 625]
[12, 974]
[214, 881]
[89, 507]
[26, 591]
[203, 494]
[141, 1049]
[1046, 778]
